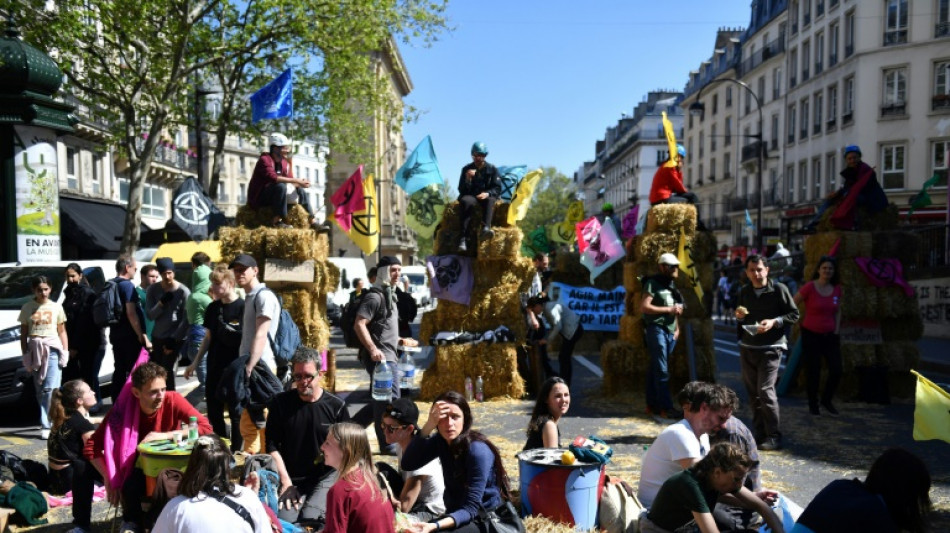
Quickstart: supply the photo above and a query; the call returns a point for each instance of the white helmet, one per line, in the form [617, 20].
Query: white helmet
[279, 139]
[669, 259]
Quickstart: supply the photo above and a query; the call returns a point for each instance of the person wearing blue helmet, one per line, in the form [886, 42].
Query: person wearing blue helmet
[667, 187]
[479, 184]
[860, 189]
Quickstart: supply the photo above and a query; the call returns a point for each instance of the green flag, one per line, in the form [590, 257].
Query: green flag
[922, 199]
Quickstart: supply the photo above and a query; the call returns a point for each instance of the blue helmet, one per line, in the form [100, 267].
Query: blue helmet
[479, 148]
[852, 148]
[680, 150]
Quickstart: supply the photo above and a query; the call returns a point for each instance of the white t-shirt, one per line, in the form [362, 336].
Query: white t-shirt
[675, 442]
[202, 514]
[257, 304]
[432, 486]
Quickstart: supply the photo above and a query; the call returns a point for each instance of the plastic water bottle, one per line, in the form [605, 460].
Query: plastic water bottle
[479, 390]
[192, 429]
[382, 382]
[469, 394]
[407, 371]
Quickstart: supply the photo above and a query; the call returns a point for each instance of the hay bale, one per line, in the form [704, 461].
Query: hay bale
[704, 247]
[652, 246]
[321, 248]
[883, 220]
[504, 244]
[679, 364]
[902, 245]
[631, 330]
[906, 328]
[631, 302]
[859, 303]
[630, 281]
[241, 240]
[820, 244]
[496, 363]
[329, 377]
[898, 356]
[848, 272]
[488, 312]
[291, 244]
[857, 355]
[332, 277]
[671, 218]
[893, 303]
[624, 363]
[252, 218]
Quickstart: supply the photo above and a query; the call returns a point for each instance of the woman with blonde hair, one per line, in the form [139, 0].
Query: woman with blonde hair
[355, 503]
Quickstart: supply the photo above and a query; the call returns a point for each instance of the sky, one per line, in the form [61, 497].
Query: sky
[540, 82]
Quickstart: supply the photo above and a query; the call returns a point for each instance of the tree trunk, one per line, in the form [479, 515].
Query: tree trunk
[140, 163]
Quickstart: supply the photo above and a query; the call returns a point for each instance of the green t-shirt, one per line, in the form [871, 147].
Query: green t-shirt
[149, 323]
[679, 497]
[662, 297]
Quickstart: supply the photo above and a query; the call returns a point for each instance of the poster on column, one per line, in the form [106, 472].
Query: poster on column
[599, 310]
[37, 195]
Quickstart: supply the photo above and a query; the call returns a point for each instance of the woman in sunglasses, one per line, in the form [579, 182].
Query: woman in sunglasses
[207, 499]
[417, 493]
[476, 484]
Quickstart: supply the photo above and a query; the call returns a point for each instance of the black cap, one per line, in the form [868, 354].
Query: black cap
[243, 260]
[388, 260]
[164, 264]
[403, 410]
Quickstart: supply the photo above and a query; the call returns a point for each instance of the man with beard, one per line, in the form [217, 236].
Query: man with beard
[297, 425]
[662, 303]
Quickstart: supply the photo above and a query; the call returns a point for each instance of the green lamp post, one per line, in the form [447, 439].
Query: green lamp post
[30, 121]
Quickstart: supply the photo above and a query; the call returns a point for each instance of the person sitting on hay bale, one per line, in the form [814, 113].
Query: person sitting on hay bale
[860, 188]
[274, 185]
[478, 185]
[668, 188]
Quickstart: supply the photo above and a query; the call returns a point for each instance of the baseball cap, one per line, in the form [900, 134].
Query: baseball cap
[279, 139]
[403, 410]
[243, 260]
[164, 264]
[669, 259]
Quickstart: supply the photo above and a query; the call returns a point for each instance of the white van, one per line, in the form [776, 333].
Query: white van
[15, 290]
[418, 284]
[351, 268]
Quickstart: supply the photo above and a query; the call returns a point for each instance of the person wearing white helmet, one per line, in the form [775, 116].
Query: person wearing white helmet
[662, 305]
[274, 185]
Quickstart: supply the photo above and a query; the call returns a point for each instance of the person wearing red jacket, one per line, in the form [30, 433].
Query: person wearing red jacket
[161, 413]
[667, 187]
[274, 185]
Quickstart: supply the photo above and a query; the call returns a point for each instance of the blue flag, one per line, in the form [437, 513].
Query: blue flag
[510, 177]
[420, 169]
[748, 220]
[274, 100]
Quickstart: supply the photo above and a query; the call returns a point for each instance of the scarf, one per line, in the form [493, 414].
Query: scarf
[382, 283]
[121, 438]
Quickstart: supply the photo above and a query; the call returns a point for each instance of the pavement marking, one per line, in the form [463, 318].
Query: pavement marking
[589, 366]
[14, 441]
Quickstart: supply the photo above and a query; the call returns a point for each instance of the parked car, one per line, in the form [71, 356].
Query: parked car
[351, 268]
[15, 290]
[334, 312]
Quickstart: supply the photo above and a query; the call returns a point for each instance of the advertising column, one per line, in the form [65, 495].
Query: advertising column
[37, 195]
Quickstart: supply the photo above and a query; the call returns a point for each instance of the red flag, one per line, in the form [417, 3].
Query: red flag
[587, 231]
[348, 199]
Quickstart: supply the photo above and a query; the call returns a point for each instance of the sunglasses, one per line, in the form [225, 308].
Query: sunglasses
[304, 377]
[392, 429]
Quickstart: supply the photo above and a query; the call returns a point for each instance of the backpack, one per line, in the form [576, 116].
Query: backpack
[348, 320]
[15, 464]
[287, 339]
[619, 510]
[107, 307]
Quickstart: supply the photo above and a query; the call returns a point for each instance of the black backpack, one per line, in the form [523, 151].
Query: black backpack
[107, 307]
[348, 320]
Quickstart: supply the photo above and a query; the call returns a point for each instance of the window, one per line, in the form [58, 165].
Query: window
[818, 105]
[791, 123]
[792, 67]
[832, 105]
[702, 143]
[941, 161]
[804, 116]
[712, 139]
[712, 170]
[941, 96]
[849, 28]
[819, 52]
[775, 133]
[761, 92]
[816, 177]
[97, 170]
[728, 136]
[831, 162]
[819, 8]
[803, 181]
[793, 16]
[748, 102]
[728, 97]
[806, 57]
[153, 199]
[942, 28]
[296, 171]
[241, 164]
[242, 193]
[776, 83]
[790, 183]
[689, 150]
[726, 166]
[222, 196]
[848, 110]
[833, 44]
[892, 166]
[715, 103]
[895, 91]
[72, 181]
[895, 26]
[806, 12]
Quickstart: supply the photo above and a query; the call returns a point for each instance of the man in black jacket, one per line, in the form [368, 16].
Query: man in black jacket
[478, 185]
[765, 308]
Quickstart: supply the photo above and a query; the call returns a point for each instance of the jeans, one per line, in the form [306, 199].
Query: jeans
[196, 334]
[660, 344]
[44, 387]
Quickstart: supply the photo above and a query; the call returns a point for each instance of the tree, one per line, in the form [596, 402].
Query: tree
[549, 204]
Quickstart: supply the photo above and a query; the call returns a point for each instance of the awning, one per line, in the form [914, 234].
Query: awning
[181, 252]
[94, 227]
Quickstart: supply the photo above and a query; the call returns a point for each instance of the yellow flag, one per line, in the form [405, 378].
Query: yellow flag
[365, 230]
[688, 266]
[522, 198]
[670, 140]
[932, 412]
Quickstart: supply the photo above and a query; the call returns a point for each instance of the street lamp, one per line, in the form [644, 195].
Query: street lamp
[200, 93]
[697, 108]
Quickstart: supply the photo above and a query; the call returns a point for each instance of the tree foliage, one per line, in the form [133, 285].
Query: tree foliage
[549, 204]
[136, 64]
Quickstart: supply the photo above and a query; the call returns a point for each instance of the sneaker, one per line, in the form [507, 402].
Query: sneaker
[463, 247]
[487, 233]
[771, 444]
[830, 408]
[44, 434]
[128, 527]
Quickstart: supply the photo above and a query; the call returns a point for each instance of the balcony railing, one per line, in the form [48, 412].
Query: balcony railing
[806, 20]
[770, 50]
[816, 129]
[831, 123]
[819, 9]
[847, 117]
[940, 101]
[818, 68]
[805, 74]
[941, 29]
[896, 108]
[166, 155]
[895, 37]
[792, 81]
[848, 50]
[832, 60]
[751, 151]
[794, 28]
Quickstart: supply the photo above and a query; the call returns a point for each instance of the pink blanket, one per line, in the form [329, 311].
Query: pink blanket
[122, 434]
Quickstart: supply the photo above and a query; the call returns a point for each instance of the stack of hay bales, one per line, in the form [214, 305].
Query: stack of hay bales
[897, 313]
[626, 360]
[290, 253]
[501, 275]
[567, 269]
